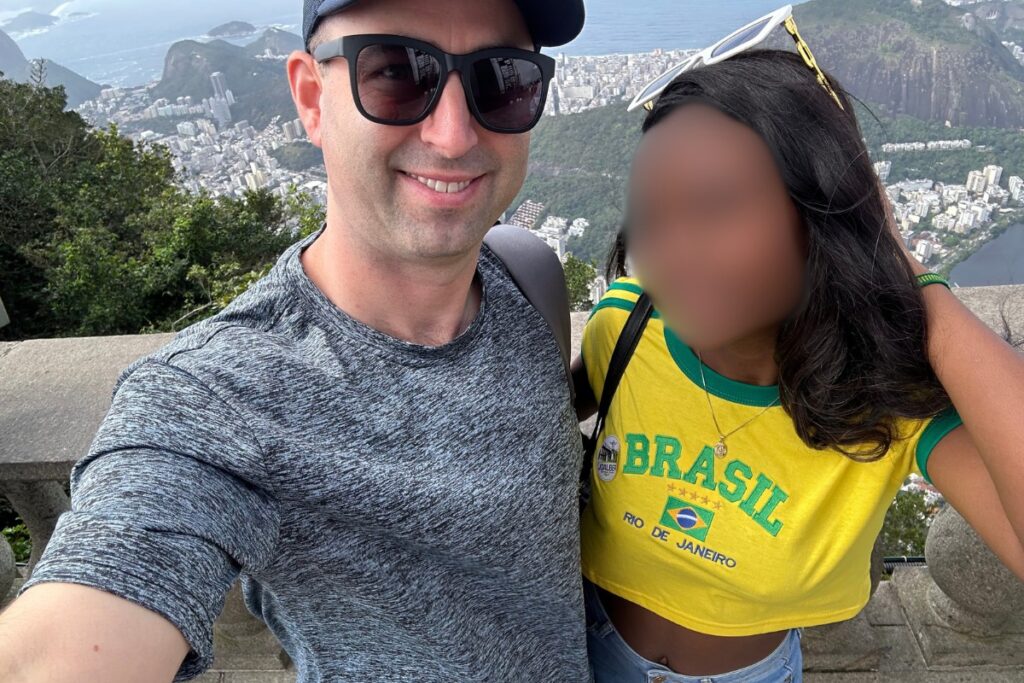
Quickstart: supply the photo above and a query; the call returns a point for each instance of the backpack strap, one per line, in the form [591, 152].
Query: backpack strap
[625, 346]
[538, 273]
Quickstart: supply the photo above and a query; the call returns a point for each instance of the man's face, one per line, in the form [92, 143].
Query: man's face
[382, 178]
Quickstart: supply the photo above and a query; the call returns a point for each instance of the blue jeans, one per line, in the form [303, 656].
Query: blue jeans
[614, 661]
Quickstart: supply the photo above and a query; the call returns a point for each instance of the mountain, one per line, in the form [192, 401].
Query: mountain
[78, 88]
[29, 21]
[232, 29]
[277, 41]
[16, 67]
[260, 86]
[11, 56]
[917, 57]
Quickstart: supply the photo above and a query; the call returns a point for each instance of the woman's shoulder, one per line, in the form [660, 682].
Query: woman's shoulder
[608, 318]
[622, 296]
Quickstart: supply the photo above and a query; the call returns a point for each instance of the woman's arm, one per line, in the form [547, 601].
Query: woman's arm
[982, 463]
[586, 403]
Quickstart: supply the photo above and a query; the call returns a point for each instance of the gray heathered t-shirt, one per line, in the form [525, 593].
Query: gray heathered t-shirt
[397, 512]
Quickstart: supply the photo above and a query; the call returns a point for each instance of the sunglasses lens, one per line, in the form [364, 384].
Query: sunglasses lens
[744, 35]
[662, 81]
[396, 84]
[508, 92]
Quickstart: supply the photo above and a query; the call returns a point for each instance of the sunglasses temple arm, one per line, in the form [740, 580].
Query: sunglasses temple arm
[805, 52]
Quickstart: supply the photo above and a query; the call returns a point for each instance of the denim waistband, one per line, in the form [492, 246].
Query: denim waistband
[782, 664]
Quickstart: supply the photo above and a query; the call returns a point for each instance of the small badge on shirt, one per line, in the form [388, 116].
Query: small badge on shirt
[608, 459]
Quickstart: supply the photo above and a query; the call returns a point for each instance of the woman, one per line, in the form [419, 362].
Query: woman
[794, 372]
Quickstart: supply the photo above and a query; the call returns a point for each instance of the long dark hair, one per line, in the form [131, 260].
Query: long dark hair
[853, 357]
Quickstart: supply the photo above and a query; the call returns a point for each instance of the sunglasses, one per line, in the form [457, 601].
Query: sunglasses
[398, 81]
[754, 33]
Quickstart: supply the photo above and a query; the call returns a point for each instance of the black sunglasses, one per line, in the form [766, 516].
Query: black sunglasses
[398, 81]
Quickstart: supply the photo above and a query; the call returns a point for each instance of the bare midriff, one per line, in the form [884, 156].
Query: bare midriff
[683, 650]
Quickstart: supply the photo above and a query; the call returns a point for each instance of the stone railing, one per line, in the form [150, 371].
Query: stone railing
[959, 618]
[53, 395]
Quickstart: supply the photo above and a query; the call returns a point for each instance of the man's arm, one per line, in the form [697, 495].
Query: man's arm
[66, 633]
[167, 508]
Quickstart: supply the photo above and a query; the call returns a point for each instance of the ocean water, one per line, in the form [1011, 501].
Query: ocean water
[644, 25]
[123, 43]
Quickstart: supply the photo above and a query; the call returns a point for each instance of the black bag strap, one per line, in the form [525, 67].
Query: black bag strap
[628, 340]
[538, 273]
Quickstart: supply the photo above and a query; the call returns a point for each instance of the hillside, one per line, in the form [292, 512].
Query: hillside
[15, 66]
[918, 57]
[916, 64]
[277, 41]
[579, 163]
[232, 29]
[11, 56]
[260, 86]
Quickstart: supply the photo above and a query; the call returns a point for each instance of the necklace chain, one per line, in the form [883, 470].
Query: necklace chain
[721, 450]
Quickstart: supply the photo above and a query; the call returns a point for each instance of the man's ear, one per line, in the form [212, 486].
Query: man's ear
[306, 84]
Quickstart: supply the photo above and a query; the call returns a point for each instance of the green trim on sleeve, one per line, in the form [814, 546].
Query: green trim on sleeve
[621, 304]
[939, 427]
[626, 287]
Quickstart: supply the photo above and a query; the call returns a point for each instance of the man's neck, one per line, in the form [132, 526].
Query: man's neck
[750, 360]
[422, 303]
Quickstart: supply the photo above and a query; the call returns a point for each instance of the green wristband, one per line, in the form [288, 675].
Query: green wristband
[925, 279]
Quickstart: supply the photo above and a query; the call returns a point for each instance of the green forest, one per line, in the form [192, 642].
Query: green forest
[99, 239]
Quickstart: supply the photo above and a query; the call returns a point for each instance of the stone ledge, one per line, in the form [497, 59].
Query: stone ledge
[56, 392]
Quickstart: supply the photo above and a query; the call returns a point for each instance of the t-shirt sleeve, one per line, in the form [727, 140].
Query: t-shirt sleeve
[603, 328]
[925, 435]
[167, 507]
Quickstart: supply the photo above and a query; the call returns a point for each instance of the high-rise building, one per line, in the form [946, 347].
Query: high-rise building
[220, 85]
[924, 250]
[527, 214]
[557, 244]
[993, 174]
[883, 168]
[221, 111]
[598, 289]
[1016, 187]
[976, 182]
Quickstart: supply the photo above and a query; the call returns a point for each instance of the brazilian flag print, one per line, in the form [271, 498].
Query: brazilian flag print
[692, 520]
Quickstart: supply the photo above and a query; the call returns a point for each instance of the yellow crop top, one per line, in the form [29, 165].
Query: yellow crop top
[775, 535]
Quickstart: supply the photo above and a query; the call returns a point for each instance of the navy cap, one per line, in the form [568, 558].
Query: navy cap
[551, 22]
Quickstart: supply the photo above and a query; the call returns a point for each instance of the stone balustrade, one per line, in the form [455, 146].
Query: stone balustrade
[959, 618]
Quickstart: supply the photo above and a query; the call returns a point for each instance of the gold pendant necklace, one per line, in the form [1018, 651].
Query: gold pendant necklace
[721, 449]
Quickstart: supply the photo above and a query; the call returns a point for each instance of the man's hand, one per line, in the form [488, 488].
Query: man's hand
[67, 633]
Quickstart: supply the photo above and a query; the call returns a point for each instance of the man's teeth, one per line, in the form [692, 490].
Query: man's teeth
[442, 187]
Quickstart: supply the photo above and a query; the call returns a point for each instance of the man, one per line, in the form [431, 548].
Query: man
[377, 436]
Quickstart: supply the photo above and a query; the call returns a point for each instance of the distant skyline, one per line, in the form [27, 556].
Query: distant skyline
[123, 42]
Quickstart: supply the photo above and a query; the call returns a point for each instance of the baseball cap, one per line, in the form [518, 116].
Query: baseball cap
[551, 22]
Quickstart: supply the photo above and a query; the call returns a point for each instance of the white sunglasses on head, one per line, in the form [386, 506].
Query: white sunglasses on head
[751, 35]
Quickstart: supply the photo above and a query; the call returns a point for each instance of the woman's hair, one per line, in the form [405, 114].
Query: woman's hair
[853, 357]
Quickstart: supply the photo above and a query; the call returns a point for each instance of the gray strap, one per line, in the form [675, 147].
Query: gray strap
[538, 273]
